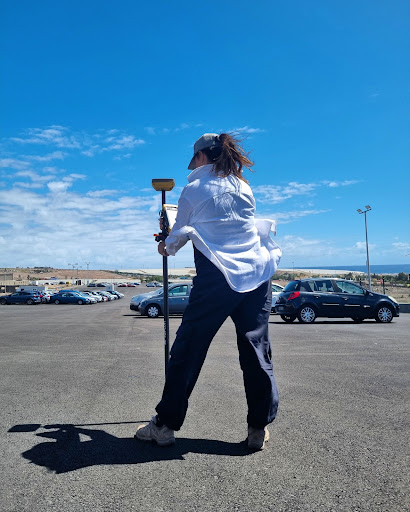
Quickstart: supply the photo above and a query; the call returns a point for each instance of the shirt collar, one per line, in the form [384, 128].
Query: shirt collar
[200, 171]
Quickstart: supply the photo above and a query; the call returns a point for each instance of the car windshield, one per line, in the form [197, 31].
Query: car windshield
[276, 288]
[293, 286]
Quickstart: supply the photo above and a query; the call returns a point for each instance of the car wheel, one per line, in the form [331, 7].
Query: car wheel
[288, 318]
[3, 302]
[357, 320]
[56, 301]
[79, 302]
[152, 311]
[30, 302]
[306, 315]
[384, 314]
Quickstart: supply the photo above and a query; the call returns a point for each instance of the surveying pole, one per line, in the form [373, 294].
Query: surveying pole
[164, 185]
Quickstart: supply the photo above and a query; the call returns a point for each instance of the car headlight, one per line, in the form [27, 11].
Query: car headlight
[393, 299]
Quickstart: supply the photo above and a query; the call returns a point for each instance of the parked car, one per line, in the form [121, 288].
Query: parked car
[107, 294]
[20, 298]
[178, 297]
[118, 294]
[95, 295]
[92, 285]
[70, 297]
[103, 296]
[135, 301]
[123, 285]
[276, 290]
[307, 299]
[111, 292]
[44, 296]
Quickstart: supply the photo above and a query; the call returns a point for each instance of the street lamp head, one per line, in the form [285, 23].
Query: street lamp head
[368, 207]
[359, 211]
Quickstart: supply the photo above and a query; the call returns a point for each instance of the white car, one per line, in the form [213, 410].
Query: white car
[94, 295]
[108, 295]
[276, 290]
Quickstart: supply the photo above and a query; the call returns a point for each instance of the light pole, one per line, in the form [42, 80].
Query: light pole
[88, 277]
[367, 243]
[71, 265]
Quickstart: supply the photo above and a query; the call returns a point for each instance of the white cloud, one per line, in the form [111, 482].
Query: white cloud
[334, 184]
[28, 185]
[54, 135]
[402, 246]
[286, 217]
[102, 193]
[277, 194]
[56, 155]
[361, 246]
[13, 163]
[34, 176]
[59, 226]
[88, 144]
[248, 130]
[59, 186]
[123, 142]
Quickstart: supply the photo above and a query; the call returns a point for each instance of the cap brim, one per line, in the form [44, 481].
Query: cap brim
[191, 165]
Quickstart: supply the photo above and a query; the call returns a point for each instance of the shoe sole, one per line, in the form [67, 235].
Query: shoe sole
[159, 443]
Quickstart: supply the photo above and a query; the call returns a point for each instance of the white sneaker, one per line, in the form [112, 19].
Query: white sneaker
[257, 437]
[163, 436]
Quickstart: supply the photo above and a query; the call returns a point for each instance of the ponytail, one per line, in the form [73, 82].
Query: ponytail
[228, 157]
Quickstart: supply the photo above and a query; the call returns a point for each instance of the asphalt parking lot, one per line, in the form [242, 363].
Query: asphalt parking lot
[76, 380]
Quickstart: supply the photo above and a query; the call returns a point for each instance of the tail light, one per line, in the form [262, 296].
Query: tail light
[293, 295]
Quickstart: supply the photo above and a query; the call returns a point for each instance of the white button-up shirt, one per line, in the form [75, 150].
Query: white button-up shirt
[217, 214]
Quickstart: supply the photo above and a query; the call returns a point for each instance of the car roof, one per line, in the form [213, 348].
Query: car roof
[321, 278]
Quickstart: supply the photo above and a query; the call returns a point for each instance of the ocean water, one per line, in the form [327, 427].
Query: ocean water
[374, 269]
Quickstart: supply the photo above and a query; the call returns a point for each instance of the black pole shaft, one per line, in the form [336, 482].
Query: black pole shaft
[166, 303]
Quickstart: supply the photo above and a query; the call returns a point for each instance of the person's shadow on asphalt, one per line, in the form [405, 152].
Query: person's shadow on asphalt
[70, 453]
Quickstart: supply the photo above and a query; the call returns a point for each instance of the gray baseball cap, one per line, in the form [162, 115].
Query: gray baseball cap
[208, 140]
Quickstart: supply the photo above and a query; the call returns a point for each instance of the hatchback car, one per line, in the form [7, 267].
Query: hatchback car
[20, 298]
[153, 304]
[276, 290]
[307, 299]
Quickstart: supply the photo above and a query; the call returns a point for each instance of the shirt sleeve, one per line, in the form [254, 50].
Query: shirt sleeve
[179, 236]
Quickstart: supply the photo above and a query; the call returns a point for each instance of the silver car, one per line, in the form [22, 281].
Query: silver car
[178, 298]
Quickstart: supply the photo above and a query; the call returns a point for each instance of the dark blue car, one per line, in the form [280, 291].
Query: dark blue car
[20, 298]
[307, 299]
[64, 297]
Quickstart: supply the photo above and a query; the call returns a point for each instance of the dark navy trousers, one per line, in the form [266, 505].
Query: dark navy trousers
[211, 302]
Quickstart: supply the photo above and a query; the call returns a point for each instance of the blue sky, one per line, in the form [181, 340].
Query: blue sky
[98, 98]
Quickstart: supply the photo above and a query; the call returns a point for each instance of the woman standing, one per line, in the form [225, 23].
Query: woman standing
[234, 259]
